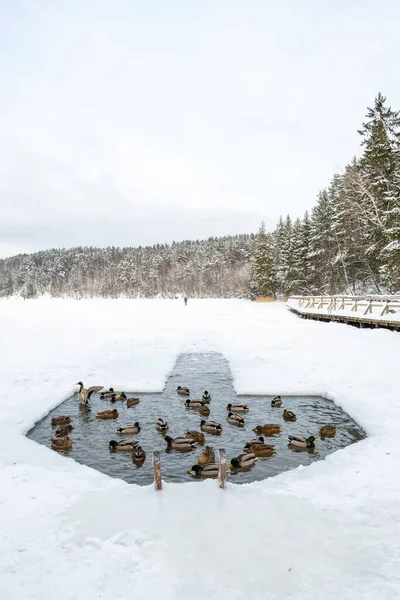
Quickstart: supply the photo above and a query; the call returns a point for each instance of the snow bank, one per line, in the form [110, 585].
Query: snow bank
[328, 530]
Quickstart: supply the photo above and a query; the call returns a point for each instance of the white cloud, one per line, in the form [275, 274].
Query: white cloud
[140, 116]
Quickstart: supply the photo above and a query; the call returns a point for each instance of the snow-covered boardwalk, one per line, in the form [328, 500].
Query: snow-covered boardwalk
[331, 530]
[372, 311]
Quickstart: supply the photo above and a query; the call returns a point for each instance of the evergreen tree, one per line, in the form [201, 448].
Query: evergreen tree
[264, 263]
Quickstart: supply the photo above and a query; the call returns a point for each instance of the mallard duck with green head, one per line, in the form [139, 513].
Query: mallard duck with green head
[254, 442]
[108, 394]
[194, 403]
[243, 461]
[161, 425]
[183, 391]
[135, 428]
[235, 420]
[299, 441]
[123, 445]
[237, 407]
[84, 394]
[276, 402]
[209, 470]
[118, 397]
[182, 444]
[210, 427]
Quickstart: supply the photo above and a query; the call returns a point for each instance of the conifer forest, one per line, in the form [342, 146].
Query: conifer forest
[349, 242]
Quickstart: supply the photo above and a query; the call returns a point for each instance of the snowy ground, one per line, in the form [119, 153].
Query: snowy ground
[331, 530]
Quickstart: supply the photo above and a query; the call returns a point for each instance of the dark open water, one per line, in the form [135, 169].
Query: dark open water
[198, 372]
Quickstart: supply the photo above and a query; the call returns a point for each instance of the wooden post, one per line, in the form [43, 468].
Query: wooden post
[369, 308]
[385, 308]
[157, 470]
[222, 468]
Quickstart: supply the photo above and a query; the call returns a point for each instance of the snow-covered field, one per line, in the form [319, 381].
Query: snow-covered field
[331, 530]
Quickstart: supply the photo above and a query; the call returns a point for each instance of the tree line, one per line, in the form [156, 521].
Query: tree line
[213, 268]
[348, 243]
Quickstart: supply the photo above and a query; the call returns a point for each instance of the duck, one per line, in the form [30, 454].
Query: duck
[262, 450]
[206, 397]
[120, 396]
[63, 430]
[243, 461]
[204, 411]
[63, 420]
[132, 402]
[62, 444]
[135, 428]
[123, 445]
[327, 431]
[207, 456]
[235, 420]
[183, 391]
[107, 414]
[253, 443]
[108, 393]
[209, 470]
[299, 441]
[288, 415]
[180, 443]
[237, 407]
[277, 402]
[197, 436]
[84, 394]
[161, 425]
[138, 455]
[210, 427]
[194, 403]
[267, 429]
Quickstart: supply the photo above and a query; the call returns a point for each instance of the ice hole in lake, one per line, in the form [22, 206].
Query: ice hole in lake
[199, 372]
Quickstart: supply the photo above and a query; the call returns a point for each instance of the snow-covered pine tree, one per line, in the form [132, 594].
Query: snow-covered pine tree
[390, 254]
[379, 168]
[295, 277]
[322, 246]
[264, 271]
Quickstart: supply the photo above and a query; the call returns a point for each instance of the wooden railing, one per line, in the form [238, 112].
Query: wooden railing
[362, 311]
[363, 305]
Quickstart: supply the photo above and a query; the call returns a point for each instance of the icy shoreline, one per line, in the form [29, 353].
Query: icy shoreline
[326, 530]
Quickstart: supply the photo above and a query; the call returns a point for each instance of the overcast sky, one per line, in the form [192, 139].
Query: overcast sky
[132, 122]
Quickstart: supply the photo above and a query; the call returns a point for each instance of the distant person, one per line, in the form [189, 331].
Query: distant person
[185, 301]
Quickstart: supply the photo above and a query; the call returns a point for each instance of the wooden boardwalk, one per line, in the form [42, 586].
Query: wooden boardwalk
[360, 311]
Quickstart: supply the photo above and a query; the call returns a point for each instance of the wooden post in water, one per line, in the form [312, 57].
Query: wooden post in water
[157, 470]
[222, 468]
